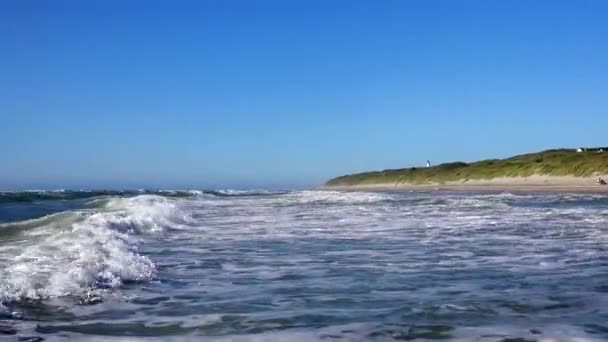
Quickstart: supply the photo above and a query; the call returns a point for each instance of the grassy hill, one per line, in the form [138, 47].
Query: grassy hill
[560, 162]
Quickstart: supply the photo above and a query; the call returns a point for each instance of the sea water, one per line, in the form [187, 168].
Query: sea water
[303, 266]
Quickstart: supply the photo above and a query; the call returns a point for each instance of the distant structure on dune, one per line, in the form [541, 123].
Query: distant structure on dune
[428, 163]
[592, 149]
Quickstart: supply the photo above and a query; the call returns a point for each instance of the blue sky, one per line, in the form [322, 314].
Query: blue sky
[289, 93]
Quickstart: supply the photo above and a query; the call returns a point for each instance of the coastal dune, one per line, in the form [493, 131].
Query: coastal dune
[551, 170]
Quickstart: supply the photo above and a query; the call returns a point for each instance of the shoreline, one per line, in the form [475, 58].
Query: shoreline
[536, 183]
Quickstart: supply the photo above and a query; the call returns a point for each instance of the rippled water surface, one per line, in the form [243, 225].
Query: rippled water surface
[304, 266]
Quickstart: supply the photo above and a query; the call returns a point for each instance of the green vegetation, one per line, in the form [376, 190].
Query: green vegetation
[562, 162]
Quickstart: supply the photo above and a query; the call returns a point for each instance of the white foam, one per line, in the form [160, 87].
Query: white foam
[148, 212]
[338, 197]
[98, 251]
[237, 192]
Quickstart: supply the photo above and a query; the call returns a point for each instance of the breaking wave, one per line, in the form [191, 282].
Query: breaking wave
[85, 252]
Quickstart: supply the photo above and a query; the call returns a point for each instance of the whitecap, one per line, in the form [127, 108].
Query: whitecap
[97, 252]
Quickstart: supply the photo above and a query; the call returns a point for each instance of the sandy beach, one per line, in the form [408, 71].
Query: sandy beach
[532, 183]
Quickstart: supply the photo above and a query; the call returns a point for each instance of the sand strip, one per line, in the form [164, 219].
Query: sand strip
[523, 184]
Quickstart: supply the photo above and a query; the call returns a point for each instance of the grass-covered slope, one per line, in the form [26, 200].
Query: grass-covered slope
[562, 162]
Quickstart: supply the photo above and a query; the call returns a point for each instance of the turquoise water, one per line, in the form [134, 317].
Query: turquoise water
[303, 266]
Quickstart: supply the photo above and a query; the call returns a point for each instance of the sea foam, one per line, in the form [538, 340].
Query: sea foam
[96, 252]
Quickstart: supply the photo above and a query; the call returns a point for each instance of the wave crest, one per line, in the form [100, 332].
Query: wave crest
[99, 251]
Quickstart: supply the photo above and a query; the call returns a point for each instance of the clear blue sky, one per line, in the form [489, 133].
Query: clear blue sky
[289, 93]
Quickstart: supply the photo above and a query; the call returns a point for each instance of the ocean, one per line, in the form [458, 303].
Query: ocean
[264, 265]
